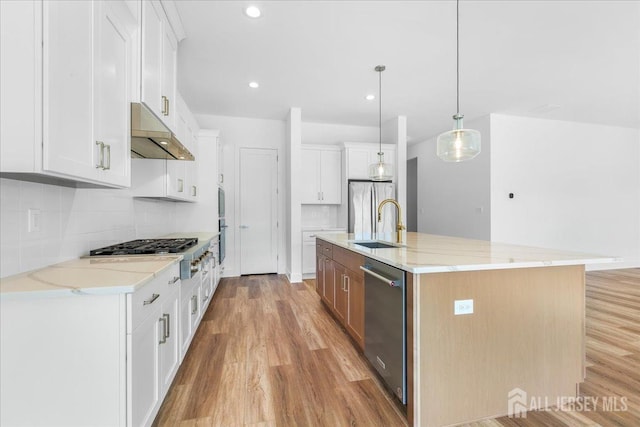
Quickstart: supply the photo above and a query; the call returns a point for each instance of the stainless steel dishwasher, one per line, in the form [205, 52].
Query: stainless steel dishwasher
[385, 327]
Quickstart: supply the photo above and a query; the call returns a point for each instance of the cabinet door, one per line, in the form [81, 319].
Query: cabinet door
[331, 177]
[320, 265]
[68, 144]
[328, 294]
[185, 324]
[169, 344]
[358, 160]
[308, 257]
[144, 371]
[355, 306]
[195, 308]
[152, 51]
[169, 53]
[340, 297]
[111, 85]
[311, 171]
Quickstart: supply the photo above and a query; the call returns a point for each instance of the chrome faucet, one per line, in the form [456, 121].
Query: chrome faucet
[400, 226]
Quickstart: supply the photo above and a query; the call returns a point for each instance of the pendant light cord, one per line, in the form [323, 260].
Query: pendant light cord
[457, 57]
[380, 111]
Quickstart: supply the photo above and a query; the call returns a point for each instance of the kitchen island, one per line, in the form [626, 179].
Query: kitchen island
[523, 340]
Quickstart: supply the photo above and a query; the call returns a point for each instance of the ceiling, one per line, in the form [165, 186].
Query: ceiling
[567, 60]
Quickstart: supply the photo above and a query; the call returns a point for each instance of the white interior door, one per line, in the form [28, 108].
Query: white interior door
[258, 211]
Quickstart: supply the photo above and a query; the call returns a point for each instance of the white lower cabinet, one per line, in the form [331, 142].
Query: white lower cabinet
[145, 387]
[189, 310]
[94, 360]
[153, 352]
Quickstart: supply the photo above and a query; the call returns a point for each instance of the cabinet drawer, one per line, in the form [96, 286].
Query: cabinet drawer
[349, 259]
[142, 303]
[324, 248]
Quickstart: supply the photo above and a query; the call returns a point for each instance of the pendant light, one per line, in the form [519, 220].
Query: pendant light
[459, 144]
[380, 171]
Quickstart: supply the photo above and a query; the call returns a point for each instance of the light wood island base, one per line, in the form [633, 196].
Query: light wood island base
[526, 331]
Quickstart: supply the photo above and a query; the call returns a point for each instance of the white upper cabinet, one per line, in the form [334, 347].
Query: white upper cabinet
[78, 125]
[323, 175]
[358, 157]
[158, 63]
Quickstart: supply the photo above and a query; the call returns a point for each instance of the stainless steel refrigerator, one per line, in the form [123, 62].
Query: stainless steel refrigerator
[363, 200]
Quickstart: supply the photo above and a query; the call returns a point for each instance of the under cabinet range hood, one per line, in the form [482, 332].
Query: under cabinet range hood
[151, 139]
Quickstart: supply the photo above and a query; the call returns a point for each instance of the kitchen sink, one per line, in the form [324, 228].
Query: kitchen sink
[375, 245]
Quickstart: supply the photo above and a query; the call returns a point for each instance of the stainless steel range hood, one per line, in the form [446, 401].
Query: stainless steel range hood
[151, 139]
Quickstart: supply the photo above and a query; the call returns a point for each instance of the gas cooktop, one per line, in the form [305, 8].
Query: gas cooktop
[147, 246]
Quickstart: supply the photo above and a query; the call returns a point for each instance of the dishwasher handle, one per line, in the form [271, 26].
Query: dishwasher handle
[390, 282]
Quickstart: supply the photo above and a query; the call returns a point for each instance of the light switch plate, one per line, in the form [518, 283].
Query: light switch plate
[463, 306]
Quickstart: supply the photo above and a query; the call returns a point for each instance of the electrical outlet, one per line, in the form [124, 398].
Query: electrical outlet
[463, 306]
[33, 220]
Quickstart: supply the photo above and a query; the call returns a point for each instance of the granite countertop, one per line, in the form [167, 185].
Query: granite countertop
[93, 276]
[428, 253]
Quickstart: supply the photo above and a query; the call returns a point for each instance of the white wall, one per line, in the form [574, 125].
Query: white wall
[72, 222]
[327, 133]
[236, 133]
[454, 198]
[576, 186]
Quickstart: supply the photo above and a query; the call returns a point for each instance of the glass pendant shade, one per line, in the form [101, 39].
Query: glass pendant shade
[459, 144]
[380, 171]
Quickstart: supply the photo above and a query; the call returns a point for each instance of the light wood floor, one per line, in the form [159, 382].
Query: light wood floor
[268, 354]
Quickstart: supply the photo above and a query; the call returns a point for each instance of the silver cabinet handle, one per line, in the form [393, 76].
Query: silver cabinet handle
[244, 226]
[386, 280]
[194, 191]
[152, 299]
[108, 166]
[347, 283]
[312, 236]
[322, 195]
[175, 279]
[164, 331]
[194, 309]
[100, 163]
[167, 324]
[180, 185]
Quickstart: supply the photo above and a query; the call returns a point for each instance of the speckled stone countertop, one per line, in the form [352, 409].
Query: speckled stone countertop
[428, 253]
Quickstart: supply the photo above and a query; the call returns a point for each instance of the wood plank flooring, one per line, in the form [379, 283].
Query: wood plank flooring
[269, 354]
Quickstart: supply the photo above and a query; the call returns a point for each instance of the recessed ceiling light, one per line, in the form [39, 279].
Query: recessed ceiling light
[254, 85]
[252, 12]
[370, 97]
[181, 157]
[164, 142]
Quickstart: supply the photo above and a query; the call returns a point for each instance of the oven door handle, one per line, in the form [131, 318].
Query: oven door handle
[386, 280]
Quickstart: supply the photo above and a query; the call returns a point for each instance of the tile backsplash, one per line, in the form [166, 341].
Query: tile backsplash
[320, 216]
[71, 221]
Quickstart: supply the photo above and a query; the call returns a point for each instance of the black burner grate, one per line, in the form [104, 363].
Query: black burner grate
[147, 246]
